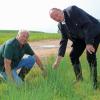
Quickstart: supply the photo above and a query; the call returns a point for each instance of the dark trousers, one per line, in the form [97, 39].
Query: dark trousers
[78, 48]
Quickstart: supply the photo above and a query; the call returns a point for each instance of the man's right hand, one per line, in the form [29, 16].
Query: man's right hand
[57, 62]
[44, 73]
[55, 66]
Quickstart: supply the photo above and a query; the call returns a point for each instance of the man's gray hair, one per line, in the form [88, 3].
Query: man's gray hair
[23, 31]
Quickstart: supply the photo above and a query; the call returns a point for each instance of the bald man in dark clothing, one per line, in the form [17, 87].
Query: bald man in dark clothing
[84, 31]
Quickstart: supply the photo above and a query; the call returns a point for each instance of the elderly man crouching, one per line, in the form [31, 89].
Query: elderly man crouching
[12, 58]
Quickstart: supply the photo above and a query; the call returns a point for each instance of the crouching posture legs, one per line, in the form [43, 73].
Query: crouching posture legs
[26, 65]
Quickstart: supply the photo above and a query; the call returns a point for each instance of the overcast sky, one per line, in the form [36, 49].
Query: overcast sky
[34, 14]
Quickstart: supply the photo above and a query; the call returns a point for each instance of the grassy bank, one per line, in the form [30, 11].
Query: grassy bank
[58, 85]
[34, 36]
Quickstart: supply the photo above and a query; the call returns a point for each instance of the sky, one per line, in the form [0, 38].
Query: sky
[34, 14]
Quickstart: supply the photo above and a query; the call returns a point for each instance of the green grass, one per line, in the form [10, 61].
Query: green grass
[58, 85]
[34, 36]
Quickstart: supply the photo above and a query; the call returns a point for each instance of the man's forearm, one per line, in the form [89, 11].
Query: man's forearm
[38, 61]
[62, 48]
[7, 65]
[58, 59]
[8, 72]
[41, 66]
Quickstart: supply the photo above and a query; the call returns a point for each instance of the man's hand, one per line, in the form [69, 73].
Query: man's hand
[57, 62]
[90, 48]
[44, 73]
[55, 65]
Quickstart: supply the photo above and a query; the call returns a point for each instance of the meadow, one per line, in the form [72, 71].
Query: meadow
[34, 36]
[57, 85]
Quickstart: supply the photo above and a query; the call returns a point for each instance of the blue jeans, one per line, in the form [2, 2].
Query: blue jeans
[27, 61]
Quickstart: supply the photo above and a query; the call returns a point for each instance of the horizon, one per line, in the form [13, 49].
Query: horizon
[34, 15]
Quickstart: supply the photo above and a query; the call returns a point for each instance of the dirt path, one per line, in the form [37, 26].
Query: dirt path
[47, 47]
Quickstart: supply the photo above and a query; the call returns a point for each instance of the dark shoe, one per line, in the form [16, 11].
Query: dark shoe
[78, 80]
[24, 71]
[79, 77]
[93, 75]
[78, 72]
[95, 86]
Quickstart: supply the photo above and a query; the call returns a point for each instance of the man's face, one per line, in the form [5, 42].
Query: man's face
[23, 37]
[57, 15]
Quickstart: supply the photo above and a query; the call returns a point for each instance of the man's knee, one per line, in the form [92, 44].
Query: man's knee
[27, 61]
[30, 61]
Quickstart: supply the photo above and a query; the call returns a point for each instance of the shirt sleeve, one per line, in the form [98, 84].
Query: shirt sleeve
[8, 51]
[64, 39]
[29, 50]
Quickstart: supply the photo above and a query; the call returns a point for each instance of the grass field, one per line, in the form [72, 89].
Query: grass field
[57, 85]
[34, 36]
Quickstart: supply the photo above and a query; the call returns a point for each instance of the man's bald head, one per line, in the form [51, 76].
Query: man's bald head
[56, 14]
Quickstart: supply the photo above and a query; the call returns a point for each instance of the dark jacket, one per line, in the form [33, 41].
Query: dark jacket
[78, 24]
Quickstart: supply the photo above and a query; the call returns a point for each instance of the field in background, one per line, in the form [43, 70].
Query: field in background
[34, 36]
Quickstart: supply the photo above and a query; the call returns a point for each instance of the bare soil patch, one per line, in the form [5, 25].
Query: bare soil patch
[40, 48]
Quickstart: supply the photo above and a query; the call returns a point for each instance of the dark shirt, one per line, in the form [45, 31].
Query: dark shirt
[78, 25]
[11, 50]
